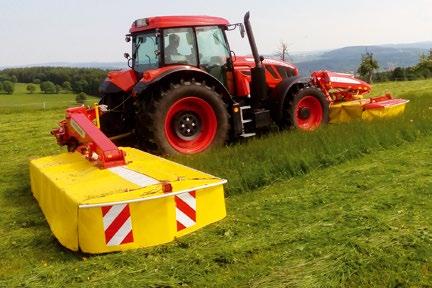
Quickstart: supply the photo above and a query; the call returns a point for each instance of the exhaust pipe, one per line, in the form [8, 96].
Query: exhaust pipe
[258, 82]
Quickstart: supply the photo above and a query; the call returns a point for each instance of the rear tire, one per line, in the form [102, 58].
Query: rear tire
[189, 118]
[307, 110]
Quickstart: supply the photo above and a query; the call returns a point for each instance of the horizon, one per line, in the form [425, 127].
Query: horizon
[292, 53]
[74, 31]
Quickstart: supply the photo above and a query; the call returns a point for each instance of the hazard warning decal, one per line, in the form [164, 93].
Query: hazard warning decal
[117, 224]
[185, 210]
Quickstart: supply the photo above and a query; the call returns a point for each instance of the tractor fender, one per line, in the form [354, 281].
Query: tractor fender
[167, 76]
[282, 92]
[118, 81]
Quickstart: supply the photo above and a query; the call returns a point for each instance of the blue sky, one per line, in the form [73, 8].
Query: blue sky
[40, 31]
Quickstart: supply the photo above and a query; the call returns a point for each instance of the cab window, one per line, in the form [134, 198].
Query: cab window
[179, 46]
[213, 50]
[146, 52]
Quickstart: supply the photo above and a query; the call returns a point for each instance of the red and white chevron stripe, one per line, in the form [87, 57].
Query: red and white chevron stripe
[117, 224]
[185, 210]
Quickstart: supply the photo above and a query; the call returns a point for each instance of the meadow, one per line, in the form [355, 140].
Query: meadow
[22, 100]
[346, 206]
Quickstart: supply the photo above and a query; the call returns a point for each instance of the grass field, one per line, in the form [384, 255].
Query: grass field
[23, 100]
[348, 205]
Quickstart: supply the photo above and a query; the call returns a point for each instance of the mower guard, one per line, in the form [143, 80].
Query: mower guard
[366, 109]
[149, 201]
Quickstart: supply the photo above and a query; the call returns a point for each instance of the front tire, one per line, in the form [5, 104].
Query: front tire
[308, 109]
[187, 119]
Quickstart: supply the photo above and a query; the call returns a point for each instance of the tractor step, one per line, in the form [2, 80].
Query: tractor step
[246, 118]
[246, 135]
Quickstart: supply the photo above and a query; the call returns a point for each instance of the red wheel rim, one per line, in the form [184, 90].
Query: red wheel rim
[190, 125]
[308, 113]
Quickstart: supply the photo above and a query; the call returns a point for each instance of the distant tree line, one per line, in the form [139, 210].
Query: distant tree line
[7, 84]
[369, 66]
[54, 79]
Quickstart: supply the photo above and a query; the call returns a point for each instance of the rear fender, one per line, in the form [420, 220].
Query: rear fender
[118, 81]
[166, 75]
[285, 91]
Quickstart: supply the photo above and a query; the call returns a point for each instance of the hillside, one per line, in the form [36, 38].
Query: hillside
[347, 59]
[344, 59]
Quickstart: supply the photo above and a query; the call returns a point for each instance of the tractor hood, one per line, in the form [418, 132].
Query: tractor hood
[248, 61]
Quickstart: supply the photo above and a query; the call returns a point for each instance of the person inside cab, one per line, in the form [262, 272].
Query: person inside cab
[171, 50]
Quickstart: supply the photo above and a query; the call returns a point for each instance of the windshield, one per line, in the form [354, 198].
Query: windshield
[145, 49]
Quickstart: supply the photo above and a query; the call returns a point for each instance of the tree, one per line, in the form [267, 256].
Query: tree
[14, 79]
[80, 86]
[36, 81]
[80, 98]
[1, 87]
[31, 88]
[424, 67]
[398, 74]
[58, 89]
[48, 87]
[9, 87]
[282, 51]
[368, 66]
[67, 86]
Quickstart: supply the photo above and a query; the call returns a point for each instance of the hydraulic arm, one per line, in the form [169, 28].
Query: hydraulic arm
[78, 132]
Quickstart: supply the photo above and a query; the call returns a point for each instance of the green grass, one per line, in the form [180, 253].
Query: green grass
[284, 155]
[349, 205]
[22, 100]
[401, 88]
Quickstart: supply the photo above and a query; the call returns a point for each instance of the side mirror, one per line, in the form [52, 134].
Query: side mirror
[127, 38]
[242, 30]
[126, 55]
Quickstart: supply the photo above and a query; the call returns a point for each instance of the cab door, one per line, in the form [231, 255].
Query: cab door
[214, 53]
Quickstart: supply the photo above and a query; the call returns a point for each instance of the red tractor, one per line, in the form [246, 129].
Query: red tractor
[187, 92]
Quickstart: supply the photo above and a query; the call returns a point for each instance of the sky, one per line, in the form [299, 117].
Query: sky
[43, 31]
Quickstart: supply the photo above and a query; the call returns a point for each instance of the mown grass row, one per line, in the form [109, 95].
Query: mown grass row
[260, 162]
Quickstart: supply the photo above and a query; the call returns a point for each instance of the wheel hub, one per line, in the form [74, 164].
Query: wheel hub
[304, 113]
[187, 126]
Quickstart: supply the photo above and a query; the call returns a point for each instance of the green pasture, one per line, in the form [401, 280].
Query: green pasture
[21, 99]
[346, 206]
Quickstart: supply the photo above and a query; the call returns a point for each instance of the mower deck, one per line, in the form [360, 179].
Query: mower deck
[148, 201]
[365, 109]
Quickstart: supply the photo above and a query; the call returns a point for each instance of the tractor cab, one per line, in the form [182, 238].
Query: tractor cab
[194, 41]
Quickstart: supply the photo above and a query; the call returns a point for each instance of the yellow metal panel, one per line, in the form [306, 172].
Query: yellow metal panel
[210, 208]
[353, 110]
[60, 210]
[346, 111]
[154, 221]
[83, 203]
[386, 112]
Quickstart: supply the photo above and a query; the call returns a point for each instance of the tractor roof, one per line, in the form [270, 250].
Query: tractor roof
[175, 21]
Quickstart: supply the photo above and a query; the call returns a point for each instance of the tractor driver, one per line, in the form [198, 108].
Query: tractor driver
[171, 49]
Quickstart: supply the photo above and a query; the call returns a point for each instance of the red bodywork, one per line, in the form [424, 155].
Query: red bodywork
[78, 132]
[339, 86]
[125, 79]
[159, 22]
[275, 72]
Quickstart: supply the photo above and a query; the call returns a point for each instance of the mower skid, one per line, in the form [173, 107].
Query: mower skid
[149, 201]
